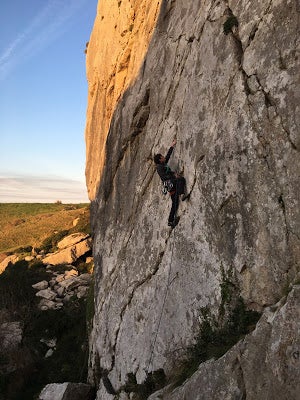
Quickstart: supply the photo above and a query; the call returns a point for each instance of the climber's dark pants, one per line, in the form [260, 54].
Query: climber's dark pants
[179, 185]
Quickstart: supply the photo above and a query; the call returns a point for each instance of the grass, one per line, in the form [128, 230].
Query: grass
[29, 224]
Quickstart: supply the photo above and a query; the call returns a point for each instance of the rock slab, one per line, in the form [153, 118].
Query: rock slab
[9, 259]
[69, 254]
[265, 365]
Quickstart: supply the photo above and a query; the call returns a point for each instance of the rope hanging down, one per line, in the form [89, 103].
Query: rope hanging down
[163, 305]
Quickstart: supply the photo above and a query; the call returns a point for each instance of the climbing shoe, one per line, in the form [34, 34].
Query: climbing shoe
[172, 224]
[185, 197]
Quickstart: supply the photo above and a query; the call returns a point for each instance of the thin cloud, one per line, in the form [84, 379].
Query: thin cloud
[33, 189]
[48, 25]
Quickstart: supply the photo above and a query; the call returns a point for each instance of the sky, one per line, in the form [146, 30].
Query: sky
[43, 99]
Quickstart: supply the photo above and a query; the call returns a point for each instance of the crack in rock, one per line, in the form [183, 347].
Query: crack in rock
[130, 298]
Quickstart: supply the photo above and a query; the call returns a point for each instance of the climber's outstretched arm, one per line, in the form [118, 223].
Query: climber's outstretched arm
[170, 151]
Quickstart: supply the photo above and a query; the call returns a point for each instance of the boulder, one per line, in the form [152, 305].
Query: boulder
[71, 273]
[49, 353]
[47, 294]
[71, 240]
[82, 291]
[45, 304]
[60, 291]
[67, 391]
[60, 278]
[70, 254]
[49, 342]
[76, 281]
[59, 304]
[75, 221]
[40, 285]
[53, 391]
[67, 298]
[10, 259]
[84, 279]
[70, 283]
[52, 283]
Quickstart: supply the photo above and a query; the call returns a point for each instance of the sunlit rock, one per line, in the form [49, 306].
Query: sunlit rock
[10, 259]
[223, 78]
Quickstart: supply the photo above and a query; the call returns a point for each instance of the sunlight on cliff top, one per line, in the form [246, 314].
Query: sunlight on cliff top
[117, 47]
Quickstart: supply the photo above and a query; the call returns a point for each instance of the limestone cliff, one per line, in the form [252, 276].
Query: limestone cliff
[115, 52]
[223, 78]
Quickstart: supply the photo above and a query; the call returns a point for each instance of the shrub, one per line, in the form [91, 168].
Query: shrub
[218, 334]
[154, 381]
[16, 293]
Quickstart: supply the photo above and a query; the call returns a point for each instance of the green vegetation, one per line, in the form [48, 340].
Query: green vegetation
[214, 340]
[69, 360]
[27, 225]
[155, 380]
[41, 226]
[16, 293]
[218, 334]
[68, 325]
[49, 245]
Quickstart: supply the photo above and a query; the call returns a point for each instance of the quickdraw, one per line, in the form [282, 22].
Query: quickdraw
[167, 186]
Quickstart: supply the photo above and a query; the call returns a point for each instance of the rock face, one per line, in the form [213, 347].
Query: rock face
[71, 240]
[265, 365]
[9, 259]
[223, 78]
[115, 52]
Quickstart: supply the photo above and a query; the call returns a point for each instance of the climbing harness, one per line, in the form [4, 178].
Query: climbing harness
[167, 186]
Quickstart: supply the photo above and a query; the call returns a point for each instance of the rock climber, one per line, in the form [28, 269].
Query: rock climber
[174, 182]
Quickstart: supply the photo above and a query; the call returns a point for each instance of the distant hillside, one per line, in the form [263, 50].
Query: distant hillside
[30, 224]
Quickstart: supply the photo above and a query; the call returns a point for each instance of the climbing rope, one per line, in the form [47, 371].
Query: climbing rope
[162, 308]
[165, 298]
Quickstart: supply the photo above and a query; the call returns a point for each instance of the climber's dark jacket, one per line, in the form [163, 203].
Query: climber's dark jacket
[176, 188]
[163, 170]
